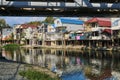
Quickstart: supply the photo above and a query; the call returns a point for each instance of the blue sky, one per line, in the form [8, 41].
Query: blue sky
[20, 20]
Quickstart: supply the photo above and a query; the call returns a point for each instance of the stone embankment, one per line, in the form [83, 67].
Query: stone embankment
[75, 47]
[10, 70]
[54, 47]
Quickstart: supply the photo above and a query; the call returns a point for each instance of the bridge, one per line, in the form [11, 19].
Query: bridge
[58, 8]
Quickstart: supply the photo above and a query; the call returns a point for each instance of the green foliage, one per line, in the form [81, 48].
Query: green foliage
[3, 23]
[36, 23]
[49, 20]
[36, 75]
[11, 47]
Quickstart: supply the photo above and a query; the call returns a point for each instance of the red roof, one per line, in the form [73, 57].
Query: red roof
[108, 31]
[28, 25]
[105, 22]
[6, 38]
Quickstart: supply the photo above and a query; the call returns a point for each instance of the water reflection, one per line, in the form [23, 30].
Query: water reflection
[98, 65]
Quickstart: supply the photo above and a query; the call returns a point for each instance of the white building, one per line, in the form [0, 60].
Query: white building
[70, 24]
[25, 32]
[100, 28]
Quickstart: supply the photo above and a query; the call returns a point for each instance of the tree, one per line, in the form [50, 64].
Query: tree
[11, 37]
[36, 23]
[49, 20]
[2, 22]
[3, 25]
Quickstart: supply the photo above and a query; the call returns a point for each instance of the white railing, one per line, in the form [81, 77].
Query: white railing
[96, 37]
[96, 29]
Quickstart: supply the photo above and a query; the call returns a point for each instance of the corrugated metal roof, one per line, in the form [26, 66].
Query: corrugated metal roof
[72, 21]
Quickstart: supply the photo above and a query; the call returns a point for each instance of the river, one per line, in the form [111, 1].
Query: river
[96, 65]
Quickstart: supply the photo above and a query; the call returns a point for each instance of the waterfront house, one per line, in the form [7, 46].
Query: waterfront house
[7, 35]
[99, 29]
[116, 31]
[59, 32]
[67, 28]
[70, 24]
[29, 33]
[96, 26]
[25, 34]
[17, 30]
[46, 34]
[51, 35]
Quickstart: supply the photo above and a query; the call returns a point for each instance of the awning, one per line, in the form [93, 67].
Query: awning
[108, 31]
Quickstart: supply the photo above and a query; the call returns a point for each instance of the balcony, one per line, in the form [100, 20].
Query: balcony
[96, 29]
[96, 37]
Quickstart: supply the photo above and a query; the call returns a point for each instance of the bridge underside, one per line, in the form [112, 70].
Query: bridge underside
[56, 11]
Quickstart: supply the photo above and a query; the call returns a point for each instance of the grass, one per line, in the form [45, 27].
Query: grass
[10, 47]
[36, 75]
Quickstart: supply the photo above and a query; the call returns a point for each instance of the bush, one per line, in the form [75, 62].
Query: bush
[36, 75]
[11, 47]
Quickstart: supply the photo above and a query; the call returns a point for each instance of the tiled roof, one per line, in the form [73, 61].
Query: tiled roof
[6, 38]
[106, 22]
[28, 25]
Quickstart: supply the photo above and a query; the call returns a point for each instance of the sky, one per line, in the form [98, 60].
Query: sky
[21, 20]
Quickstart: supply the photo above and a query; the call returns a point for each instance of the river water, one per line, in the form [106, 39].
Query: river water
[96, 65]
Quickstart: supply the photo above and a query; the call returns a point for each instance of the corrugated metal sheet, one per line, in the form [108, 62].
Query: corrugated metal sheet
[72, 21]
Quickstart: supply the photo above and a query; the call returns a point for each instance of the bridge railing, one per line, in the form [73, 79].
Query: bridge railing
[76, 4]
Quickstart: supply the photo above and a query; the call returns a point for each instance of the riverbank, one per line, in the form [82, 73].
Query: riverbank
[55, 47]
[115, 48]
[10, 70]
